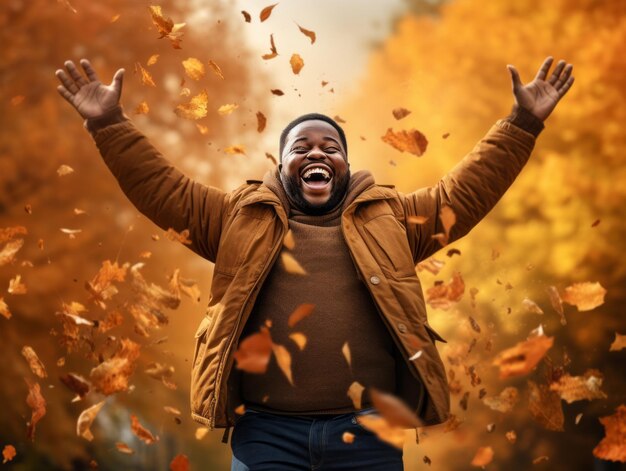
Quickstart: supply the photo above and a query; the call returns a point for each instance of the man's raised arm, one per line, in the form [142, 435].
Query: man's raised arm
[157, 188]
[474, 186]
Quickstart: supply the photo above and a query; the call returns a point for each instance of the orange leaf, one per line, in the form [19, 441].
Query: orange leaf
[309, 34]
[261, 121]
[400, 113]
[179, 463]
[504, 402]
[141, 432]
[37, 403]
[411, 141]
[8, 453]
[227, 109]
[124, 448]
[273, 50]
[296, 63]
[36, 366]
[146, 78]
[395, 436]
[545, 407]
[523, 357]
[483, 456]
[585, 296]
[283, 358]
[236, 149]
[302, 311]
[246, 16]
[578, 388]
[613, 446]
[291, 264]
[618, 344]
[253, 354]
[197, 108]
[194, 68]
[266, 12]
[355, 393]
[394, 410]
[216, 69]
[85, 420]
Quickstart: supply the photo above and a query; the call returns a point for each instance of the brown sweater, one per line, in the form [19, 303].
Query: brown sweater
[344, 313]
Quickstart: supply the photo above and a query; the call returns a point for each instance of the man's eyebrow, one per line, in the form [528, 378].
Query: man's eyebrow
[327, 138]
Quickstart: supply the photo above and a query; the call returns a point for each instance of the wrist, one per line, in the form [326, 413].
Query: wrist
[112, 116]
[525, 119]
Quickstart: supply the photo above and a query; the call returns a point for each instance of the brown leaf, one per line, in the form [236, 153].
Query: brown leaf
[194, 68]
[411, 141]
[394, 410]
[8, 453]
[37, 403]
[302, 311]
[261, 121]
[523, 357]
[444, 296]
[77, 384]
[277, 92]
[197, 108]
[146, 78]
[142, 433]
[618, 344]
[613, 446]
[448, 219]
[8, 252]
[182, 237]
[167, 28]
[296, 63]
[483, 456]
[124, 448]
[273, 50]
[36, 366]
[266, 12]
[179, 463]
[246, 16]
[503, 402]
[253, 354]
[271, 157]
[400, 113]
[545, 407]
[557, 304]
[101, 286]
[85, 420]
[112, 375]
[309, 34]
[395, 436]
[531, 306]
[142, 108]
[291, 264]
[236, 149]
[578, 388]
[585, 296]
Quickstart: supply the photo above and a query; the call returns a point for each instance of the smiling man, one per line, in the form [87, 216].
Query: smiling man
[356, 247]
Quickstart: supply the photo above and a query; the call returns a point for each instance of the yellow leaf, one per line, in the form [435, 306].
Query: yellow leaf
[227, 109]
[283, 358]
[291, 264]
[197, 108]
[194, 68]
[296, 63]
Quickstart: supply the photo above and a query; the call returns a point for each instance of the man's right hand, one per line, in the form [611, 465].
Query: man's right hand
[89, 96]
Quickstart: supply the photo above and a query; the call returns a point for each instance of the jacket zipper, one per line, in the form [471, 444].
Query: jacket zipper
[218, 381]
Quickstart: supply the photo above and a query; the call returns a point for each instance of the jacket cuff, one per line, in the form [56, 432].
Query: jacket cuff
[112, 116]
[524, 119]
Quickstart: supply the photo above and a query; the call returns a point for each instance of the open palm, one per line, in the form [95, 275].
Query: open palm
[541, 96]
[88, 95]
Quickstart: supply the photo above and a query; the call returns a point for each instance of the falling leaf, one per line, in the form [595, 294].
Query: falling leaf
[273, 50]
[271, 157]
[503, 402]
[142, 433]
[395, 436]
[182, 236]
[197, 108]
[531, 306]
[124, 448]
[216, 69]
[283, 358]
[201, 432]
[431, 264]
[557, 304]
[578, 417]
[339, 119]
[16, 286]
[347, 437]
[36, 366]
[355, 393]
[483, 456]
[302, 311]
[444, 296]
[37, 403]
[64, 170]
[146, 78]
[112, 375]
[416, 219]
[523, 357]
[171, 410]
[142, 108]
[85, 420]
[400, 113]
[246, 16]
[101, 287]
[296, 63]
[261, 121]
[585, 296]
[167, 28]
[253, 354]
[545, 407]
[613, 446]
[8, 453]
[578, 388]
[540, 459]
[203, 129]
[179, 463]
[416, 355]
[291, 264]
[393, 409]
[288, 240]
[194, 68]
[511, 436]
[618, 344]
[152, 59]
[345, 349]
[299, 338]
[448, 219]
[411, 141]
[8, 252]
[236, 149]
[227, 109]
[309, 34]
[266, 12]
[277, 92]
[77, 384]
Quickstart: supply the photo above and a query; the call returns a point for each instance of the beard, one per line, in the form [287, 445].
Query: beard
[294, 191]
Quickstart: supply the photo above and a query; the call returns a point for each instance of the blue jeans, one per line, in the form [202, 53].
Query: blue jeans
[263, 441]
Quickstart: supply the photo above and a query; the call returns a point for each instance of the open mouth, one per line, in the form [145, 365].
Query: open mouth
[317, 177]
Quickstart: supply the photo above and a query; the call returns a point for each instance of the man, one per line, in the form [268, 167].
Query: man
[313, 235]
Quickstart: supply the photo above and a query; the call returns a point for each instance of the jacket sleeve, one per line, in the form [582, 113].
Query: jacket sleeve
[157, 188]
[474, 186]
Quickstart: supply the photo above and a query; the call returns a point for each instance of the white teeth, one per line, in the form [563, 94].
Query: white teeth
[311, 171]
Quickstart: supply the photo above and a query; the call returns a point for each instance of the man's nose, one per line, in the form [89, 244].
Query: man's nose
[316, 153]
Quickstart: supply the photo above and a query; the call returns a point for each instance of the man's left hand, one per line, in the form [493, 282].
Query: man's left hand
[541, 96]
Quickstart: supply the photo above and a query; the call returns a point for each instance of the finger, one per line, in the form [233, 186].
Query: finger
[118, 80]
[515, 78]
[564, 76]
[67, 82]
[91, 74]
[543, 70]
[75, 74]
[557, 72]
[563, 90]
[65, 94]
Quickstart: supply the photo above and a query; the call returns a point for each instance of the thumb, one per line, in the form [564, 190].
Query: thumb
[515, 79]
[118, 80]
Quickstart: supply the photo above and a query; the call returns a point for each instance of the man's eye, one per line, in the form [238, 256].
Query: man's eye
[331, 149]
[299, 149]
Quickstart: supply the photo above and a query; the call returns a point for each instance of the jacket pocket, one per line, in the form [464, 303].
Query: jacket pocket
[434, 334]
[200, 339]
[388, 243]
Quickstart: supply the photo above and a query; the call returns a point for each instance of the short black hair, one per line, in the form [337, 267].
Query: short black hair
[310, 117]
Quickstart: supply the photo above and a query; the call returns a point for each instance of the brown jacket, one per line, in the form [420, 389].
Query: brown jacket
[242, 232]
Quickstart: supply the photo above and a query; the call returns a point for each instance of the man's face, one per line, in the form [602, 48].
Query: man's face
[314, 170]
